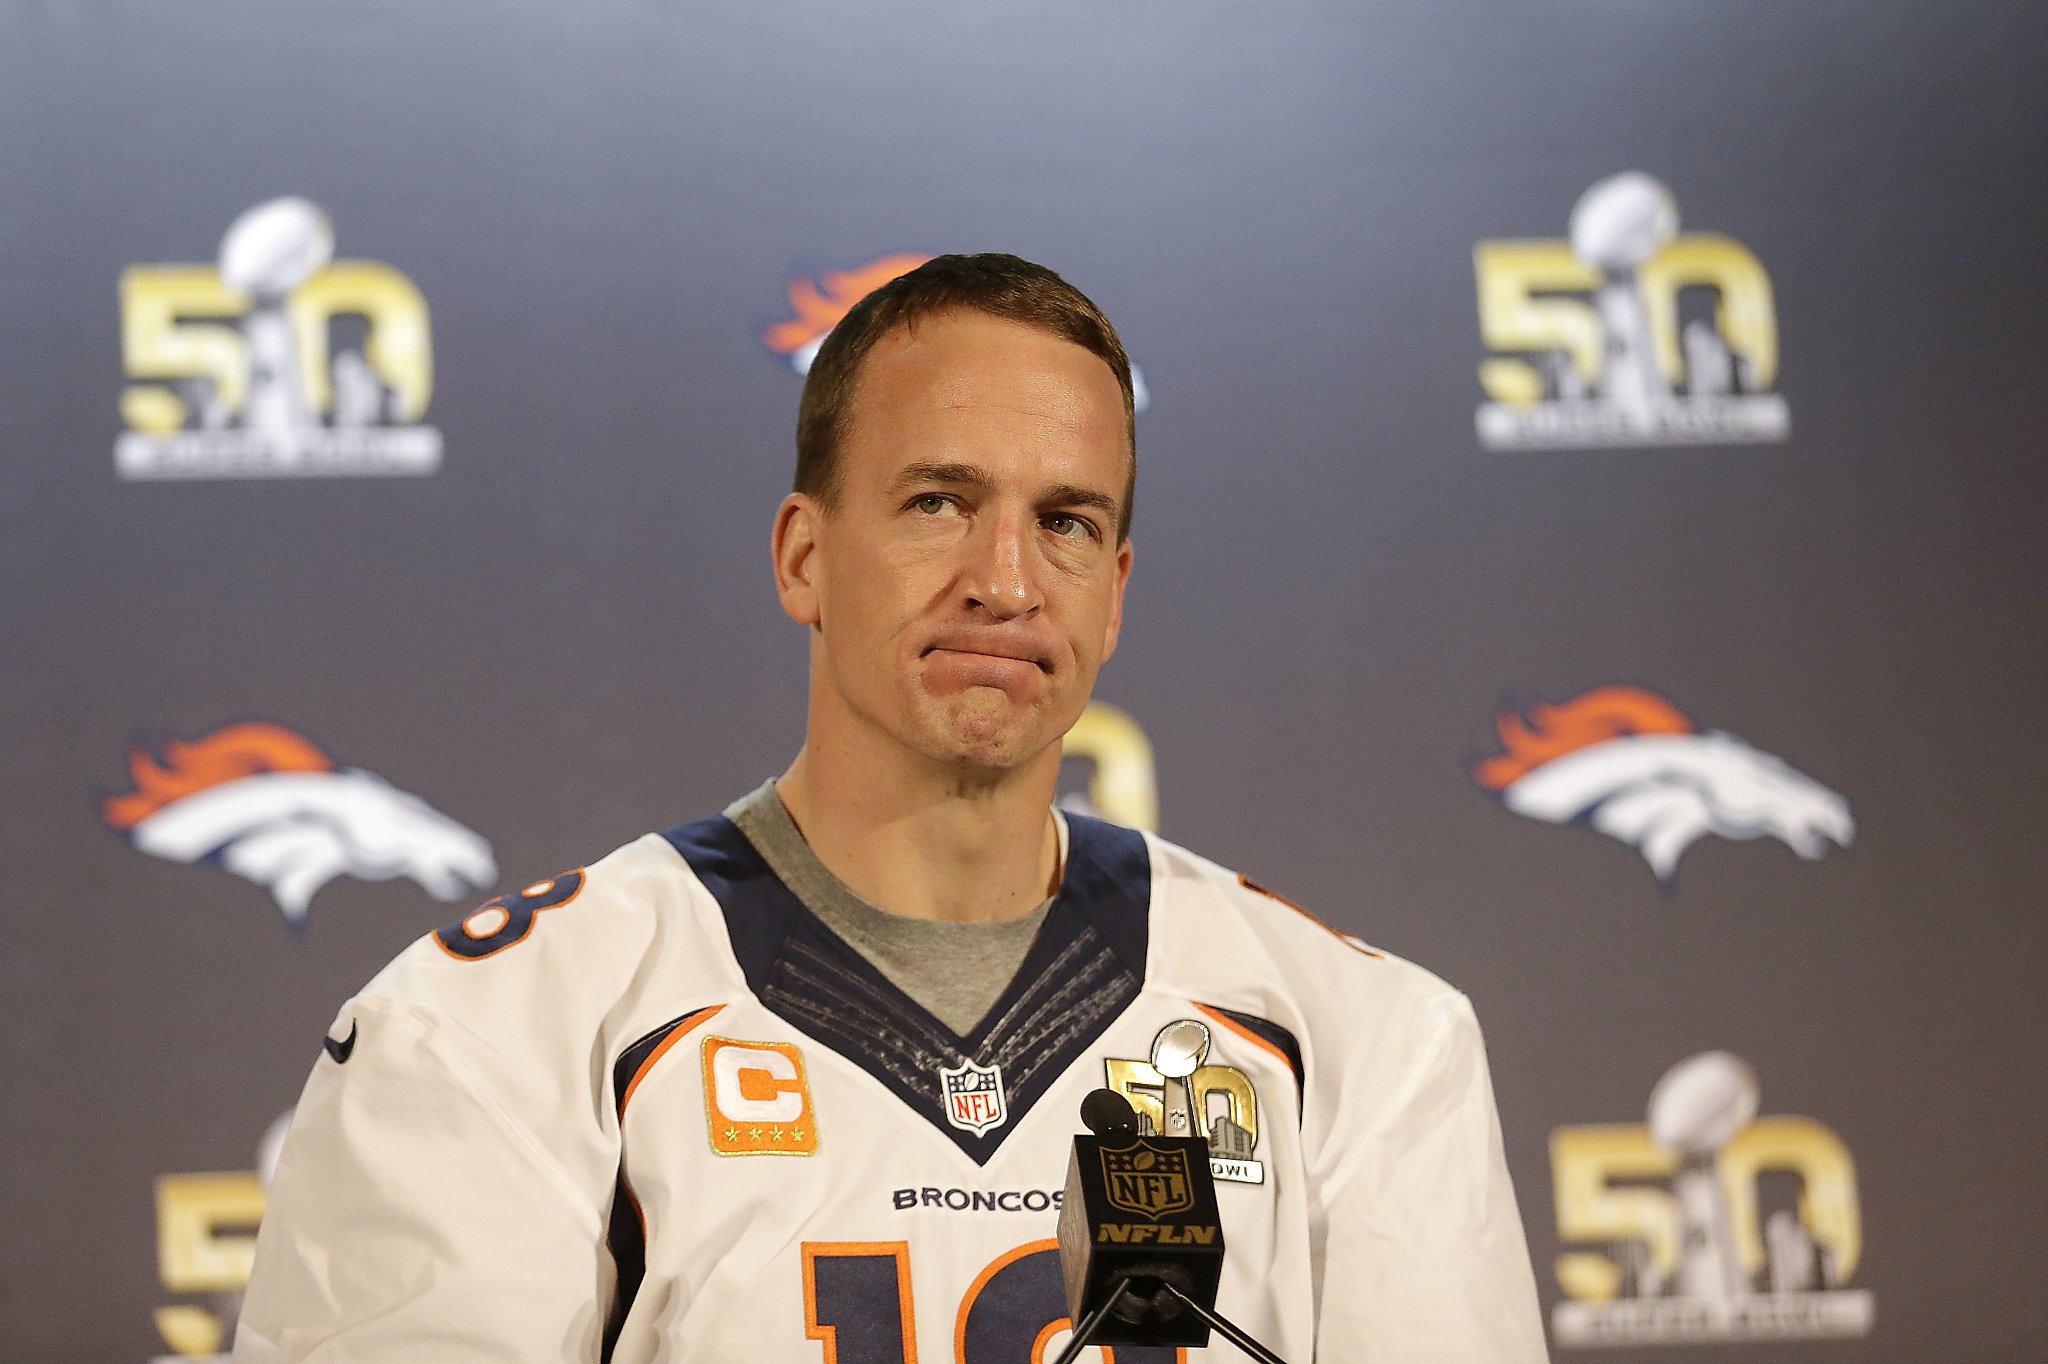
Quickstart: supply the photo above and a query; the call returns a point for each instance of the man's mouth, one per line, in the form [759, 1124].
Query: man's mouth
[985, 646]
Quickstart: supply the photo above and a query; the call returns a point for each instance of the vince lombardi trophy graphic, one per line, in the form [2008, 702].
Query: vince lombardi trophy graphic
[267, 253]
[1616, 226]
[1695, 1110]
[1178, 1052]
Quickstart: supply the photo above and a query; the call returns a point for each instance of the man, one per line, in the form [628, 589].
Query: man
[798, 1082]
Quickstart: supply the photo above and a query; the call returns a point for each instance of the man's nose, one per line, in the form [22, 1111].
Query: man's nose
[1003, 567]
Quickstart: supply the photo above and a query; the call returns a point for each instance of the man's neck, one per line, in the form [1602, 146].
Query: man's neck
[918, 840]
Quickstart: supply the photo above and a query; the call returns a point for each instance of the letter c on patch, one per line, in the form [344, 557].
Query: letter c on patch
[755, 1084]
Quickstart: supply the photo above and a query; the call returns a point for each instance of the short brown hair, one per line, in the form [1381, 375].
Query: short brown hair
[993, 283]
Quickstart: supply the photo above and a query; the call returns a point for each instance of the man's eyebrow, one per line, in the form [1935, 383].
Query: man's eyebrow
[960, 475]
[1074, 495]
[925, 473]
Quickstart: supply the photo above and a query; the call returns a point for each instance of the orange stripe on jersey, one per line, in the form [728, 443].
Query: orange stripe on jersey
[1341, 937]
[682, 1028]
[1247, 1034]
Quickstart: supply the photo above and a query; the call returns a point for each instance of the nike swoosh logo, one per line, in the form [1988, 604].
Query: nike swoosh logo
[341, 1050]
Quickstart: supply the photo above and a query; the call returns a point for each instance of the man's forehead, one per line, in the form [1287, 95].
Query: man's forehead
[964, 340]
[971, 361]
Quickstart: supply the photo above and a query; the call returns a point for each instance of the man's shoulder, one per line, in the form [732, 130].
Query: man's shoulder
[586, 931]
[1360, 1018]
[1216, 923]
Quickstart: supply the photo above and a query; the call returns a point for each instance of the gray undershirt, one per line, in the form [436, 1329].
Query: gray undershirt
[955, 971]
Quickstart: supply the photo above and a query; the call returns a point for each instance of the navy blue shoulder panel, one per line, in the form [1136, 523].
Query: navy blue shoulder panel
[759, 909]
[1272, 1033]
[1109, 876]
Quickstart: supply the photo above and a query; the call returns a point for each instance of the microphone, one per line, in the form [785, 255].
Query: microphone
[1106, 1112]
[1141, 1245]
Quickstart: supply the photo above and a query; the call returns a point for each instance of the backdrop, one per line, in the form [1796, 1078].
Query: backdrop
[1588, 541]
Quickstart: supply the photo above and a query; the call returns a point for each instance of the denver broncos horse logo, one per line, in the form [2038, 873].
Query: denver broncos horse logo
[816, 308]
[268, 805]
[1629, 763]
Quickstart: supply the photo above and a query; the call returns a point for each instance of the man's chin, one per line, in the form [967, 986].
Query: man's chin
[983, 728]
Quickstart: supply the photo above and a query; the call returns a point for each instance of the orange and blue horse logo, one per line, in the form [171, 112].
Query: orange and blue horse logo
[1632, 765]
[817, 305]
[267, 804]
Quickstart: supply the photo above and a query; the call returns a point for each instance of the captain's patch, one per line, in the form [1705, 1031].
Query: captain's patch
[756, 1099]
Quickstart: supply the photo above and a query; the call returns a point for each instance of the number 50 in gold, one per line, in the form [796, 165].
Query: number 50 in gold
[1606, 1185]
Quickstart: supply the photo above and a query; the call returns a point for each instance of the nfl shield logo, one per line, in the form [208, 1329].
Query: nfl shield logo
[974, 1097]
[1148, 1181]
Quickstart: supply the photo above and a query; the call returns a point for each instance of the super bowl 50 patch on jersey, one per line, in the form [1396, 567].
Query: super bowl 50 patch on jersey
[1180, 1092]
[756, 1099]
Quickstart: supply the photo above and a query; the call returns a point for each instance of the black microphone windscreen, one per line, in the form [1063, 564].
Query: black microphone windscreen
[1107, 1111]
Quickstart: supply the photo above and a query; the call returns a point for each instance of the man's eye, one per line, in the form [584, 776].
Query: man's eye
[1067, 527]
[931, 504]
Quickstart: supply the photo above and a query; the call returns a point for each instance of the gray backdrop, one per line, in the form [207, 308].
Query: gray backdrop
[566, 635]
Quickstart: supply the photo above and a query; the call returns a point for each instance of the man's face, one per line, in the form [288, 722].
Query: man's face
[968, 582]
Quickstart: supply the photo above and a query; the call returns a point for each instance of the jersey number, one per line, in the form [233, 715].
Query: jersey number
[857, 1304]
[505, 921]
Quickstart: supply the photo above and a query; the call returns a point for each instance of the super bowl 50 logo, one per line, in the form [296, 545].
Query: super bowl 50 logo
[1179, 1092]
[279, 361]
[1106, 769]
[205, 1247]
[1628, 333]
[1708, 1222]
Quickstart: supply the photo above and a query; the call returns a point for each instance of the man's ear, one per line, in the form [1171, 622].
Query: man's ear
[799, 566]
[1116, 602]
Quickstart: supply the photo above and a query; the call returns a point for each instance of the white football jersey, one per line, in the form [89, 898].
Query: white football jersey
[654, 1110]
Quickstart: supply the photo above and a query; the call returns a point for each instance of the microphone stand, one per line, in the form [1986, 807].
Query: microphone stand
[1090, 1324]
[1230, 1331]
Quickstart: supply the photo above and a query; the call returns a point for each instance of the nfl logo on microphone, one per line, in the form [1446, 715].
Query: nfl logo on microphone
[974, 1097]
